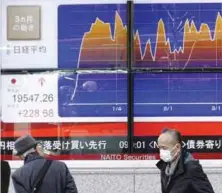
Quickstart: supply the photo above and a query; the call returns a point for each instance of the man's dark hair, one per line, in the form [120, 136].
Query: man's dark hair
[174, 133]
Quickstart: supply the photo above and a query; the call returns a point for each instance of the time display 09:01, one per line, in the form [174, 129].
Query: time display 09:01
[33, 98]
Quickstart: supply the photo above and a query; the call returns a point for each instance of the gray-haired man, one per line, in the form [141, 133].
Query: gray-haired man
[55, 177]
[180, 172]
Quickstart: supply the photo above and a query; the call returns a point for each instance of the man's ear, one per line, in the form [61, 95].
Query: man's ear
[179, 146]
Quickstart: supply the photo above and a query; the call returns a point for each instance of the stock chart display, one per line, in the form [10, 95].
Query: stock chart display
[182, 35]
[155, 95]
[85, 112]
[91, 95]
[97, 40]
[94, 36]
[178, 94]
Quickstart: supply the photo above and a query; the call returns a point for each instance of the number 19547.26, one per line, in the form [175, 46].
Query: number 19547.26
[24, 98]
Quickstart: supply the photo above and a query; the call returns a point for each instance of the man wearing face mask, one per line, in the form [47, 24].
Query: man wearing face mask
[180, 172]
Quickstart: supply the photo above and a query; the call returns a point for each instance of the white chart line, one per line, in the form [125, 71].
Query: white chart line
[95, 104]
[107, 104]
[81, 47]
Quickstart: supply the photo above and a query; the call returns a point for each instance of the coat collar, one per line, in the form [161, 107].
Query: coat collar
[179, 168]
[31, 157]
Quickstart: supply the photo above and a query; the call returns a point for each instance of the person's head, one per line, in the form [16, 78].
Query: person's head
[25, 145]
[170, 144]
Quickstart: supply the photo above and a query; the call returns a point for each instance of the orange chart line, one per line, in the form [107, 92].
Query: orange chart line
[98, 44]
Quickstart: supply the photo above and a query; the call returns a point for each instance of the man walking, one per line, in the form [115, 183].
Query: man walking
[38, 174]
[180, 172]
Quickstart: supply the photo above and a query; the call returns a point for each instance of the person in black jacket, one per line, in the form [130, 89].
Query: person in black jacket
[5, 176]
[57, 179]
[180, 172]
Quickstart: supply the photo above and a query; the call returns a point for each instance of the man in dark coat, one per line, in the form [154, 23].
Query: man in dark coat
[57, 179]
[5, 176]
[180, 172]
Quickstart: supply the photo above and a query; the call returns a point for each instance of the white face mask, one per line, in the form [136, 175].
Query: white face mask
[165, 155]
